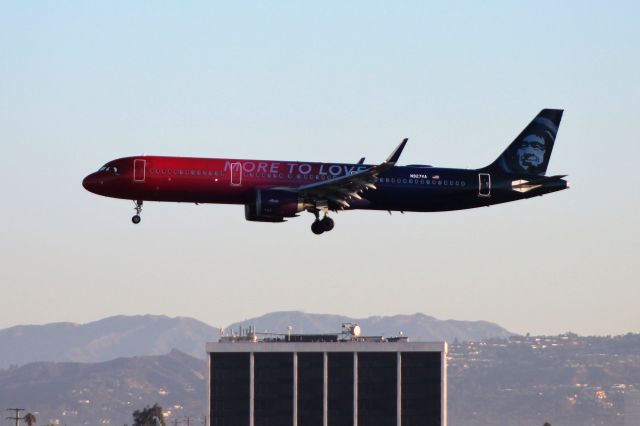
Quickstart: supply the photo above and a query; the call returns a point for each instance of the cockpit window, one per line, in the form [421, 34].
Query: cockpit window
[108, 169]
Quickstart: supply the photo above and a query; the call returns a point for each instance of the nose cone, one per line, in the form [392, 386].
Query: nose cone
[91, 183]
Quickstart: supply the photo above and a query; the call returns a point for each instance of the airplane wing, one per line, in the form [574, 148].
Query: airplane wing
[339, 190]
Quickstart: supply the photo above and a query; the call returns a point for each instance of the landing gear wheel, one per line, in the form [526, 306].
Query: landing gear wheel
[327, 224]
[317, 228]
[138, 208]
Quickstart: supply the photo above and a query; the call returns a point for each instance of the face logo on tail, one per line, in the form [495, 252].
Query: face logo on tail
[530, 153]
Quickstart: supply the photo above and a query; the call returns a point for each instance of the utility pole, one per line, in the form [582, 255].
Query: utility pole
[17, 416]
[187, 420]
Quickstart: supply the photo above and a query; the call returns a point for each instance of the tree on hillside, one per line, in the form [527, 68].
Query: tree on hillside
[149, 416]
[29, 419]
[546, 424]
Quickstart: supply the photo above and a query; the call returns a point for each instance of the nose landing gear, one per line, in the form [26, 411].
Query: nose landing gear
[325, 224]
[138, 207]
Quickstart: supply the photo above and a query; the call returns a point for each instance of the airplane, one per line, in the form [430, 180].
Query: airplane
[273, 191]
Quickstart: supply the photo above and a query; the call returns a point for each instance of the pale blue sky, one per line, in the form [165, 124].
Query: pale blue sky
[85, 82]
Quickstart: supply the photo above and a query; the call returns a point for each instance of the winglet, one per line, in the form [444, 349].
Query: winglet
[361, 161]
[395, 155]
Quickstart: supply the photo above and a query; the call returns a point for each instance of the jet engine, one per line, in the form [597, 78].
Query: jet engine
[271, 205]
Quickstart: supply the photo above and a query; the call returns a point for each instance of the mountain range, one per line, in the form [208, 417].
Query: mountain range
[130, 336]
[71, 393]
[418, 327]
[523, 380]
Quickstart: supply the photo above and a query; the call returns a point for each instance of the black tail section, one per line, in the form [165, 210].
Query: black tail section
[530, 152]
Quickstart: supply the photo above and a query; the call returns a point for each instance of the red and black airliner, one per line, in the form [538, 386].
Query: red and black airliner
[272, 191]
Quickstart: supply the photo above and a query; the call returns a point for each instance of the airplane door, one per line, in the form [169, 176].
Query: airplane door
[139, 170]
[484, 185]
[236, 174]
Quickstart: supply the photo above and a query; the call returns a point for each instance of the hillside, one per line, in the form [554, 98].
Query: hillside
[110, 338]
[128, 336]
[108, 392]
[566, 380]
[419, 327]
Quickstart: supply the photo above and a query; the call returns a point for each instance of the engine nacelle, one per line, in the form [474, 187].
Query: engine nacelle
[273, 206]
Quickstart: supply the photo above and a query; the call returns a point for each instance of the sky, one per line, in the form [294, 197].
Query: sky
[82, 83]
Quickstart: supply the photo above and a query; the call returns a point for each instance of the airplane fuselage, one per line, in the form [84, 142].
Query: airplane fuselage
[234, 181]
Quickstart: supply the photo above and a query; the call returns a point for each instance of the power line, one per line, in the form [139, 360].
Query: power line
[17, 417]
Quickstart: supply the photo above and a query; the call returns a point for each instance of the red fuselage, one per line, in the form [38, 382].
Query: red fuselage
[204, 180]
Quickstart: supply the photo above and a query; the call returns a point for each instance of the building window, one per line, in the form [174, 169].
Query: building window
[377, 388]
[230, 381]
[310, 388]
[421, 378]
[273, 391]
[340, 388]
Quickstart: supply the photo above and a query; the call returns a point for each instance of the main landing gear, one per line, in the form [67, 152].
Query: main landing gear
[138, 206]
[319, 226]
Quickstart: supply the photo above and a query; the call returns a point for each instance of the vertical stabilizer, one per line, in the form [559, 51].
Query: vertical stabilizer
[530, 152]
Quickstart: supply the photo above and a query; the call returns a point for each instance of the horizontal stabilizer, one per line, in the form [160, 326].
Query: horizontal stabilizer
[528, 185]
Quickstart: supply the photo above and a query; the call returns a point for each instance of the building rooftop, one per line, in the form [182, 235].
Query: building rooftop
[350, 333]
[349, 339]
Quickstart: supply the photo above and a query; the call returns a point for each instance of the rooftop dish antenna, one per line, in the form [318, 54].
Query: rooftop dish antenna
[350, 329]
